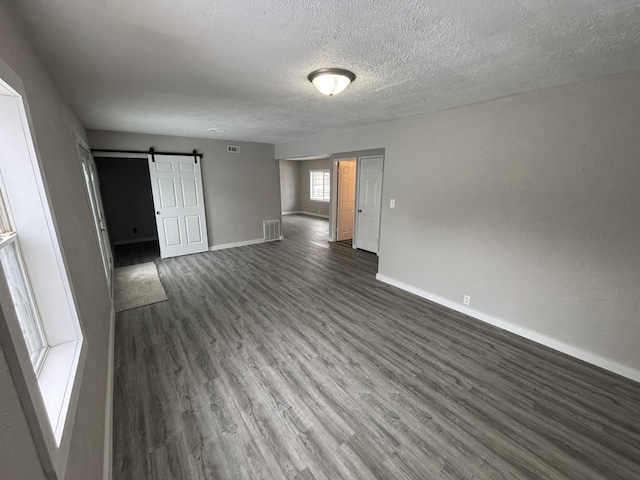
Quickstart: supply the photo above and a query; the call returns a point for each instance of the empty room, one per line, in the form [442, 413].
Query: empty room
[319, 240]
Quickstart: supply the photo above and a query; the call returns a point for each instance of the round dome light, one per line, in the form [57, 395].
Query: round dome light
[331, 81]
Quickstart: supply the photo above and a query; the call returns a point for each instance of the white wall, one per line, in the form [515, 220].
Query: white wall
[307, 205]
[528, 203]
[240, 190]
[289, 186]
[55, 127]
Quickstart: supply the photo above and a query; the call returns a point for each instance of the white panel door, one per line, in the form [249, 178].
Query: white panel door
[346, 198]
[176, 183]
[369, 203]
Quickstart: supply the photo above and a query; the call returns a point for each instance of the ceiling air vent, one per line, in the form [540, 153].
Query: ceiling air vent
[233, 149]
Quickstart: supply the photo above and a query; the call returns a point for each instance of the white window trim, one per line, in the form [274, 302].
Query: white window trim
[311, 172]
[50, 399]
[87, 164]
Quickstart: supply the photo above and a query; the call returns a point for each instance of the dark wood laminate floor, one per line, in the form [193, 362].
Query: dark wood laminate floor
[305, 228]
[136, 253]
[288, 360]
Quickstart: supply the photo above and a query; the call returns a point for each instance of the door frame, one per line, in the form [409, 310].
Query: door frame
[124, 156]
[94, 197]
[333, 208]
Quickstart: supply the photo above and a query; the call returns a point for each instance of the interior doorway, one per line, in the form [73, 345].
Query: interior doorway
[305, 189]
[346, 199]
[125, 185]
[367, 208]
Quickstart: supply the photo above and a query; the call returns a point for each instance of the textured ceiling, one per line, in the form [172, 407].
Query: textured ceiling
[180, 67]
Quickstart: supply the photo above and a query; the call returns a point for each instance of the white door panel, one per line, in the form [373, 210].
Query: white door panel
[171, 230]
[189, 192]
[167, 190]
[194, 229]
[162, 166]
[369, 203]
[187, 167]
[176, 183]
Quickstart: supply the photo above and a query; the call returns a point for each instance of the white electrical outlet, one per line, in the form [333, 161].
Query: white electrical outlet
[466, 299]
[392, 203]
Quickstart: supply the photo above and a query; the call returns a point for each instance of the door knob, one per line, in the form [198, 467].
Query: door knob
[158, 212]
[359, 211]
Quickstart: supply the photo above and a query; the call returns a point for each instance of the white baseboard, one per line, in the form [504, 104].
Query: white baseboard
[571, 350]
[224, 246]
[301, 212]
[314, 214]
[135, 240]
[107, 472]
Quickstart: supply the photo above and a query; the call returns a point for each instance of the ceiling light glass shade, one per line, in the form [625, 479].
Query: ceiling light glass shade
[331, 81]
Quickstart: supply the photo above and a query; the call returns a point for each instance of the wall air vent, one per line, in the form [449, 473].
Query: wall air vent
[271, 230]
[233, 149]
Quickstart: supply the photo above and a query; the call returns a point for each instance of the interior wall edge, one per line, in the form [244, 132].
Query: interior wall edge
[107, 473]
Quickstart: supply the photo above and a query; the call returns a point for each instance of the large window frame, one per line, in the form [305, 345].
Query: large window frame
[320, 185]
[48, 393]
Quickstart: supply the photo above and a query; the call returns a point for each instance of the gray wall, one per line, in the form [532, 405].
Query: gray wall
[306, 205]
[528, 203]
[289, 186]
[18, 455]
[240, 190]
[126, 193]
[55, 127]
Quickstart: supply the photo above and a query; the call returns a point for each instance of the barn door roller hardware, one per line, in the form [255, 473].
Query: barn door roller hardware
[151, 152]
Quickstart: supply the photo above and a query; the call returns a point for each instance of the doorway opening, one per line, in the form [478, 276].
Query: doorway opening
[346, 200]
[125, 185]
[305, 194]
[360, 172]
[353, 206]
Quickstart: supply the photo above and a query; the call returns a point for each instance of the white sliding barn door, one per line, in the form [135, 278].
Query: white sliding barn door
[176, 183]
[369, 203]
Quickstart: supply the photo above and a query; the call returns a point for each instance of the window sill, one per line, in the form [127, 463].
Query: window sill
[56, 382]
[319, 201]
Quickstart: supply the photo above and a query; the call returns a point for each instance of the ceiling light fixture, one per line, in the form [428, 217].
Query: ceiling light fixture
[216, 130]
[331, 81]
